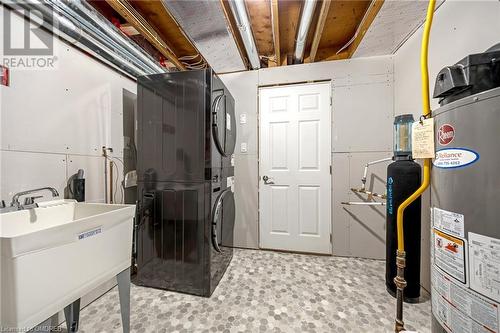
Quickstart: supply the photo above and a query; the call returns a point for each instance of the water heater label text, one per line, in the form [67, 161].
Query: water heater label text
[454, 158]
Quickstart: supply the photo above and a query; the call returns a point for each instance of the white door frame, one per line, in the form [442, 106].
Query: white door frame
[260, 183]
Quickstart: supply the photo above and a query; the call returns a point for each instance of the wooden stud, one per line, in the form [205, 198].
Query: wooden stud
[276, 31]
[125, 9]
[325, 7]
[371, 13]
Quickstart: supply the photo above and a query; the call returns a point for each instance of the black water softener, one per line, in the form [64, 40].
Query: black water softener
[403, 179]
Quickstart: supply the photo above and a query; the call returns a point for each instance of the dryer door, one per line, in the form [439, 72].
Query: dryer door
[224, 202]
[223, 123]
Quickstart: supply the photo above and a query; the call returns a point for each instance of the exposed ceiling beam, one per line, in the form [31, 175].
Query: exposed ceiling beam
[233, 28]
[125, 9]
[325, 7]
[370, 15]
[276, 31]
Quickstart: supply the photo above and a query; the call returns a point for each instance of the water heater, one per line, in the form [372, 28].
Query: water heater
[465, 197]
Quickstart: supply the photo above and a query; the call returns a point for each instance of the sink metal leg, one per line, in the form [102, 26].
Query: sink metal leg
[123, 279]
[72, 315]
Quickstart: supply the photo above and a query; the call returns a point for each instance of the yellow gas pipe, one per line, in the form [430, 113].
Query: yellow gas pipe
[400, 254]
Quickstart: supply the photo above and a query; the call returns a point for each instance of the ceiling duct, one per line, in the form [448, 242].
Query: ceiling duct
[304, 25]
[241, 16]
[204, 22]
[79, 24]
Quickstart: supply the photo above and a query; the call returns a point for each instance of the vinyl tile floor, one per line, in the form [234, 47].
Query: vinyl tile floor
[265, 291]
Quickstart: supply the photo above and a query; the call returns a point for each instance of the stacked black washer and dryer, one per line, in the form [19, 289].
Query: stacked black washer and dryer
[185, 169]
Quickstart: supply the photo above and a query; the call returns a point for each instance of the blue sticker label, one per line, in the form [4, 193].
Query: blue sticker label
[90, 233]
[390, 206]
[451, 158]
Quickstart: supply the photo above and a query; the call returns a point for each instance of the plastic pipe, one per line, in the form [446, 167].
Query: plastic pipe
[363, 179]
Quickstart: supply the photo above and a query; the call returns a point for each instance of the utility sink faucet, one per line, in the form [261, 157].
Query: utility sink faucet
[29, 202]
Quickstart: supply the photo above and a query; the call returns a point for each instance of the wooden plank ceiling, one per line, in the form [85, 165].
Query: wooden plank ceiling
[337, 28]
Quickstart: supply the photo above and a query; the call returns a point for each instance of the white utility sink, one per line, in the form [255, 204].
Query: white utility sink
[55, 254]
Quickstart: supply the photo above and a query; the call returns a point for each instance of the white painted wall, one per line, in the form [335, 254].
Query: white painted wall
[55, 121]
[459, 28]
[361, 132]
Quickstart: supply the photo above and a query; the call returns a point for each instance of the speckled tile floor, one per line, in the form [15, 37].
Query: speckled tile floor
[268, 292]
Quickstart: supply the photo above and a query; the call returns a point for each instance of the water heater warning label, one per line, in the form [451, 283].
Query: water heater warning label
[449, 222]
[459, 309]
[449, 255]
[484, 259]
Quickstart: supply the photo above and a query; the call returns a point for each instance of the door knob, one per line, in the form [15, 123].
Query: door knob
[267, 181]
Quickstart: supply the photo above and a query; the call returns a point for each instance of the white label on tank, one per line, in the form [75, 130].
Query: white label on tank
[449, 222]
[450, 158]
[484, 263]
[228, 121]
[459, 309]
[449, 254]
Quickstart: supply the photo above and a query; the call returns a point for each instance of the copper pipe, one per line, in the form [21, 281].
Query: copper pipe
[111, 181]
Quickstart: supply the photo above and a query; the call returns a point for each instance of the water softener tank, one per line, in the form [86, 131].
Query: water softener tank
[403, 178]
[465, 197]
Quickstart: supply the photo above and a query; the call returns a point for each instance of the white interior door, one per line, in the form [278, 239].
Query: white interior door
[294, 168]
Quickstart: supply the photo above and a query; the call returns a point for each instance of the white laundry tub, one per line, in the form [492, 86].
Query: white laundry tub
[55, 254]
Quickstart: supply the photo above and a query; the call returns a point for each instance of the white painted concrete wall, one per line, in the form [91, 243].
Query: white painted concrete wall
[361, 132]
[55, 121]
[459, 28]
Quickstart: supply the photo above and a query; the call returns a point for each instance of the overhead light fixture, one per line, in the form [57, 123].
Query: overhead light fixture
[240, 14]
[303, 30]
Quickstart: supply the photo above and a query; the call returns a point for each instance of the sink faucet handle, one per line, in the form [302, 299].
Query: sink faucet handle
[31, 200]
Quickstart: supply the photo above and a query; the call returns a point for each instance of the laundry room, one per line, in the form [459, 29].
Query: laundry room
[250, 166]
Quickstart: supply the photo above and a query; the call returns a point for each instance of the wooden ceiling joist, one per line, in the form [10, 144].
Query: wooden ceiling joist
[369, 16]
[339, 28]
[325, 7]
[276, 31]
[133, 17]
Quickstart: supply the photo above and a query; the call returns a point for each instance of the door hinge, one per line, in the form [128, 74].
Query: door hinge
[331, 100]
[331, 239]
[330, 169]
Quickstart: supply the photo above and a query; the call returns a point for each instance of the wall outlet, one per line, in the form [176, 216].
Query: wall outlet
[243, 118]
[243, 147]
